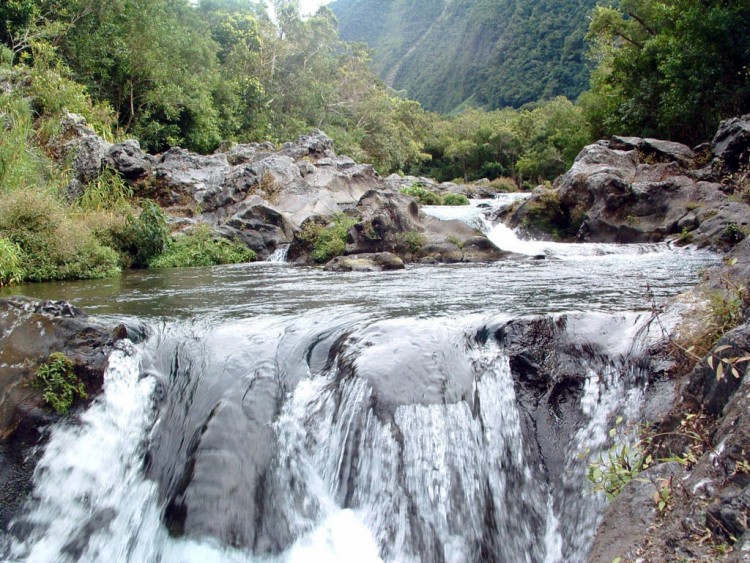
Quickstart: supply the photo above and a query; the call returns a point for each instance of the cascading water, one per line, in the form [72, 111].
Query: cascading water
[284, 414]
[279, 255]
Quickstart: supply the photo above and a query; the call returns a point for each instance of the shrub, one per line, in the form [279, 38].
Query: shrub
[455, 199]
[504, 185]
[108, 192]
[200, 248]
[10, 263]
[492, 170]
[422, 195]
[54, 92]
[414, 240]
[330, 241]
[457, 242]
[617, 467]
[143, 238]
[54, 244]
[59, 384]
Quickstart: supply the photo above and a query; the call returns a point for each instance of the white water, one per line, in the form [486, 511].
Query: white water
[279, 255]
[352, 482]
[477, 214]
[356, 474]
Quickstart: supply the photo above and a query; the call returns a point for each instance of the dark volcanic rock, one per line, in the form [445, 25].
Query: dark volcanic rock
[631, 189]
[128, 159]
[29, 332]
[378, 262]
[710, 496]
[78, 144]
[732, 142]
[630, 516]
[259, 225]
[393, 222]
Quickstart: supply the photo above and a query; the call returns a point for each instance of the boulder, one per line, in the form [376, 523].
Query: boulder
[378, 262]
[731, 144]
[392, 222]
[259, 225]
[630, 516]
[78, 144]
[316, 145]
[129, 160]
[631, 189]
[30, 331]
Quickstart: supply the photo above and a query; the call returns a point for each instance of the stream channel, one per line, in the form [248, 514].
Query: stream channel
[285, 413]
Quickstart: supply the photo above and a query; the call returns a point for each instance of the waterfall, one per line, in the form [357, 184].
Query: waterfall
[371, 439]
[482, 214]
[279, 255]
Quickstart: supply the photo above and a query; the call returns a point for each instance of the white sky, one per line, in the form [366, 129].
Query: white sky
[311, 6]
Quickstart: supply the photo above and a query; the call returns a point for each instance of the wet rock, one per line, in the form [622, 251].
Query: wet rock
[629, 190]
[629, 517]
[390, 222]
[30, 331]
[414, 375]
[259, 225]
[703, 386]
[378, 262]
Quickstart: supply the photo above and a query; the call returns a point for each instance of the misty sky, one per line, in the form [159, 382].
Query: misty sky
[310, 6]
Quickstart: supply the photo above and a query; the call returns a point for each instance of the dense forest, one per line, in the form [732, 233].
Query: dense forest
[202, 75]
[483, 53]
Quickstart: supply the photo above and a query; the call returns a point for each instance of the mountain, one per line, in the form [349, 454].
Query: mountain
[488, 53]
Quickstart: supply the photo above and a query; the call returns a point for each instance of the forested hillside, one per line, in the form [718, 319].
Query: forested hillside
[488, 53]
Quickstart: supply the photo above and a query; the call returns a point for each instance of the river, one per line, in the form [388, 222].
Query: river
[283, 413]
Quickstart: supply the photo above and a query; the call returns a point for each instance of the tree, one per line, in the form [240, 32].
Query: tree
[669, 68]
[154, 61]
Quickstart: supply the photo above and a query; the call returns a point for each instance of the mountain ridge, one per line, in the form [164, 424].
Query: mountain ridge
[485, 53]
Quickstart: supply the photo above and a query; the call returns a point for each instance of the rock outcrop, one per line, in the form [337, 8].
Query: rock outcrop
[29, 332]
[392, 222]
[708, 427]
[377, 262]
[262, 196]
[630, 189]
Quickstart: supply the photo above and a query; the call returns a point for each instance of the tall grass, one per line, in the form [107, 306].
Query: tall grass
[22, 164]
[54, 244]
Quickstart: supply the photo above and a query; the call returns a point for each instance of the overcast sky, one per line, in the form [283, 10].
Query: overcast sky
[311, 6]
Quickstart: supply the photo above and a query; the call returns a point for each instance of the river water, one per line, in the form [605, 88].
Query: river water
[279, 413]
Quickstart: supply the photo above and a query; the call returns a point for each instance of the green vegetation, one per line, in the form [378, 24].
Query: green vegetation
[328, 241]
[522, 148]
[426, 197]
[11, 270]
[485, 53]
[619, 465]
[637, 449]
[59, 384]
[108, 192]
[200, 74]
[414, 241]
[544, 213]
[54, 243]
[455, 199]
[668, 69]
[143, 238]
[422, 195]
[200, 248]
